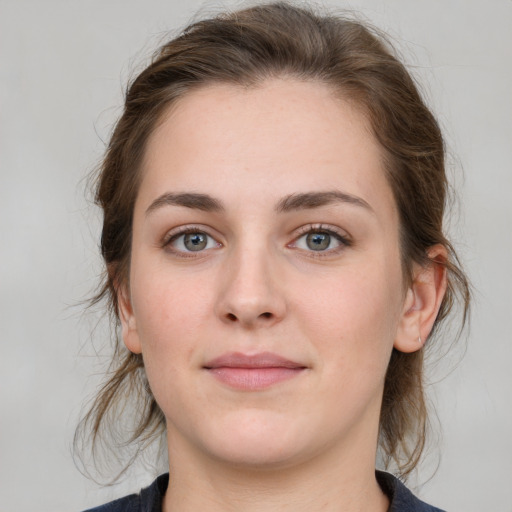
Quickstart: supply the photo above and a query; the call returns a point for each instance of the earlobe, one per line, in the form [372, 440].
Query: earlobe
[128, 322]
[422, 302]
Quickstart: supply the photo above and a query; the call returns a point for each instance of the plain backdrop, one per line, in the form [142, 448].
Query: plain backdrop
[63, 67]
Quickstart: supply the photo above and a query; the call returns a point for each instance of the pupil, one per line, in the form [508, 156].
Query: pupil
[318, 241]
[195, 241]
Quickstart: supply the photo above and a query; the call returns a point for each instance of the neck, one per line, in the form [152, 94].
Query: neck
[330, 483]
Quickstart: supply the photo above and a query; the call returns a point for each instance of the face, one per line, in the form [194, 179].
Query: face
[265, 289]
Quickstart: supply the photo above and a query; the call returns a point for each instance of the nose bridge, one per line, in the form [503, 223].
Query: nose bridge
[249, 293]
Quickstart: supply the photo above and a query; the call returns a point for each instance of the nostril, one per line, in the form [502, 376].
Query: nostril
[266, 315]
[231, 317]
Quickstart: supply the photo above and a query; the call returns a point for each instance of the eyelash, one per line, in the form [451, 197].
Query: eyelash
[175, 234]
[308, 229]
[303, 231]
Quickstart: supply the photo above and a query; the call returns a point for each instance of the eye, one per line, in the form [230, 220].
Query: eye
[320, 240]
[192, 241]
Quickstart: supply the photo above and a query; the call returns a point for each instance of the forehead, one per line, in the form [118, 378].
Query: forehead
[282, 136]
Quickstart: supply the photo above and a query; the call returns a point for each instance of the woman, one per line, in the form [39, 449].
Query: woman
[273, 198]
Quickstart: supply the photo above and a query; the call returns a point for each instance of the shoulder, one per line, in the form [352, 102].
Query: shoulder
[401, 499]
[148, 499]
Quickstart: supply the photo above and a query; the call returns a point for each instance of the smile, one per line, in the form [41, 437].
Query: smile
[253, 372]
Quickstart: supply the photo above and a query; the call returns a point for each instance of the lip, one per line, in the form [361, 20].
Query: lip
[253, 372]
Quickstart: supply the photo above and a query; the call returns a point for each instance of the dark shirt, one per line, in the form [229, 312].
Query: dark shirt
[150, 498]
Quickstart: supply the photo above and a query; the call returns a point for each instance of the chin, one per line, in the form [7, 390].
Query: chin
[258, 441]
[256, 454]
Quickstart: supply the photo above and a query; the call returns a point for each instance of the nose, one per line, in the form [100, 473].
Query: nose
[250, 292]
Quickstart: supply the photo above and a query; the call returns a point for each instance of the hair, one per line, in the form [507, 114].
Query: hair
[246, 48]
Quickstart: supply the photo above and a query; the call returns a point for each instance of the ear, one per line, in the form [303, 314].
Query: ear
[128, 323]
[422, 302]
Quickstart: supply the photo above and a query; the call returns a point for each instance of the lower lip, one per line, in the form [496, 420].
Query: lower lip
[253, 379]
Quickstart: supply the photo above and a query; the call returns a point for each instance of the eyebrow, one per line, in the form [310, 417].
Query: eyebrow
[311, 200]
[195, 201]
[292, 202]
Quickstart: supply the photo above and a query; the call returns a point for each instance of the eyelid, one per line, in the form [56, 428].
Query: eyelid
[327, 228]
[173, 234]
[342, 236]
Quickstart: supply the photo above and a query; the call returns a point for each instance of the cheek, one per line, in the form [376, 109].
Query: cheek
[354, 318]
[171, 316]
[170, 310]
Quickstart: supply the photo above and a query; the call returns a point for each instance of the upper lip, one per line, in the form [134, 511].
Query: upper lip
[261, 360]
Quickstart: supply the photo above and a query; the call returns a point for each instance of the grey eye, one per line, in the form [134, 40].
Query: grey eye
[318, 241]
[195, 241]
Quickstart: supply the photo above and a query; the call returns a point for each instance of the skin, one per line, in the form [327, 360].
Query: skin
[309, 442]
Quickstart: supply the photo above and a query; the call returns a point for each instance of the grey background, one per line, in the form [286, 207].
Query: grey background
[63, 66]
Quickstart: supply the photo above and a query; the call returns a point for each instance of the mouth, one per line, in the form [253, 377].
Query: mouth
[253, 372]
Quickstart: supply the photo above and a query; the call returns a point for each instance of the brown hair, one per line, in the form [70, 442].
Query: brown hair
[245, 48]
